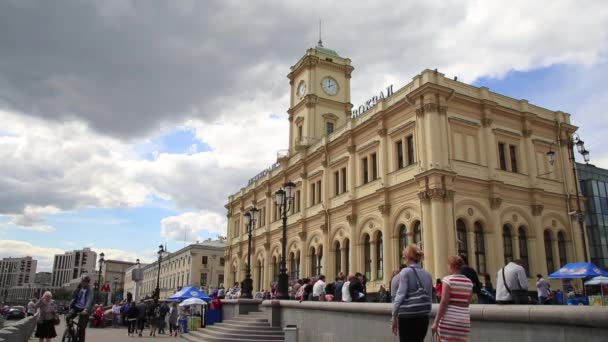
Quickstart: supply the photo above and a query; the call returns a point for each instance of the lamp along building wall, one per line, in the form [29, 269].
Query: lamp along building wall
[452, 167]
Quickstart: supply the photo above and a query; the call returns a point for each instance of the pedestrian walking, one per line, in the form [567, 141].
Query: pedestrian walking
[346, 289]
[132, 314]
[45, 329]
[162, 317]
[453, 322]
[141, 317]
[512, 284]
[153, 317]
[115, 315]
[31, 307]
[318, 289]
[173, 315]
[412, 305]
[542, 287]
[470, 273]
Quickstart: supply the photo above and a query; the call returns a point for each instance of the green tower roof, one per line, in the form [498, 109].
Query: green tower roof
[327, 51]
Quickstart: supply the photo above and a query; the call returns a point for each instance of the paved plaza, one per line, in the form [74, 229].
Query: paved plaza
[108, 334]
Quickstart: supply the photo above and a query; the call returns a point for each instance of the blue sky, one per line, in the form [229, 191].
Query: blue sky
[135, 132]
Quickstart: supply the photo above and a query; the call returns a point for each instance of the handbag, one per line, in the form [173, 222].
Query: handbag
[417, 302]
[520, 296]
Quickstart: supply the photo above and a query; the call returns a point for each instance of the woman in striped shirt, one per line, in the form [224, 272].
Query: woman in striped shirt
[452, 322]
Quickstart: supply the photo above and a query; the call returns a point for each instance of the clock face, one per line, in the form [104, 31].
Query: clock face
[301, 89]
[329, 85]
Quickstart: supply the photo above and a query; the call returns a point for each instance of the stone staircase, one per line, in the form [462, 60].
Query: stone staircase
[253, 327]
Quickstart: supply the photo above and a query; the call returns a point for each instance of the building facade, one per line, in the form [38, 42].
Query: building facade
[200, 264]
[452, 167]
[113, 273]
[43, 279]
[133, 278]
[17, 271]
[594, 185]
[72, 265]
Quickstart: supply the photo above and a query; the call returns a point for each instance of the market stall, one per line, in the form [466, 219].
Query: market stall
[193, 302]
[579, 270]
[600, 299]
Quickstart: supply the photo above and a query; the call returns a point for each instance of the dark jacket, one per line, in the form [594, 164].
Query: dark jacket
[472, 275]
[141, 311]
[338, 291]
[132, 312]
[356, 288]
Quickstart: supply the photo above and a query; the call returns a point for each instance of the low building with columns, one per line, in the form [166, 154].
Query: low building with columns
[452, 167]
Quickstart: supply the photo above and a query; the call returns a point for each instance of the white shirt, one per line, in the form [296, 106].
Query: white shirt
[543, 288]
[318, 289]
[346, 292]
[516, 280]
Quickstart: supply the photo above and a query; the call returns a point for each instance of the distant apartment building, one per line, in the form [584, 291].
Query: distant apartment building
[199, 264]
[72, 265]
[17, 271]
[43, 279]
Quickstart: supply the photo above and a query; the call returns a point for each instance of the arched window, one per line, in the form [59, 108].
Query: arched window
[313, 261]
[367, 256]
[461, 236]
[402, 238]
[297, 268]
[561, 249]
[347, 255]
[259, 276]
[523, 248]
[338, 254]
[319, 261]
[480, 249]
[417, 232]
[549, 252]
[292, 266]
[234, 280]
[507, 243]
[379, 257]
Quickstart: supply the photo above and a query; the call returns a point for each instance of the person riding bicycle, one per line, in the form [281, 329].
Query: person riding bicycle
[82, 301]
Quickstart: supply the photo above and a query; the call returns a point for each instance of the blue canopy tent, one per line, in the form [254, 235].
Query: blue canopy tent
[578, 270]
[189, 292]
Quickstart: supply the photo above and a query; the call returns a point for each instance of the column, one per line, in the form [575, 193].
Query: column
[489, 143]
[439, 238]
[303, 262]
[355, 265]
[539, 257]
[343, 258]
[387, 246]
[471, 246]
[267, 266]
[383, 154]
[427, 232]
[530, 155]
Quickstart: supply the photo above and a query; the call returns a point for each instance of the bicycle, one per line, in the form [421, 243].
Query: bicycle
[72, 330]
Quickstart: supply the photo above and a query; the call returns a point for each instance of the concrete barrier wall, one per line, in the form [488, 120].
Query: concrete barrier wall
[20, 331]
[348, 322]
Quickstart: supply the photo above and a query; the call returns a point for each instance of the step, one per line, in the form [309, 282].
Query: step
[248, 330]
[242, 324]
[249, 319]
[237, 335]
[199, 336]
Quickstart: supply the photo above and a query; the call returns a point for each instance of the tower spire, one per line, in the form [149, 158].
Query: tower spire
[320, 42]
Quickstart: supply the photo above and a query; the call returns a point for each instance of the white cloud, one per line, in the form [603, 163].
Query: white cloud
[44, 255]
[188, 226]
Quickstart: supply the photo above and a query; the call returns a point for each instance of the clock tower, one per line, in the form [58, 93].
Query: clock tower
[319, 97]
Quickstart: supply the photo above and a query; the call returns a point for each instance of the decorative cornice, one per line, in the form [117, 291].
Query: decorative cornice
[495, 202]
[431, 108]
[323, 227]
[385, 209]
[487, 122]
[352, 219]
[266, 245]
[303, 175]
[537, 209]
[526, 133]
[351, 148]
[268, 193]
[449, 194]
[302, 236]
[382, 132]
[436, 193]
[423, 196]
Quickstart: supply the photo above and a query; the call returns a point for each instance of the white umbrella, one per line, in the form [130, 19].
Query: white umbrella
[597, 281]
[193, 301]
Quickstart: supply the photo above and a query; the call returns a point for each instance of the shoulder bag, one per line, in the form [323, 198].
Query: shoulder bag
[417, 302]
[519, 296]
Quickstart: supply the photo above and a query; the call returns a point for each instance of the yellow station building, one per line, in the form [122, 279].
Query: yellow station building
[455, 168]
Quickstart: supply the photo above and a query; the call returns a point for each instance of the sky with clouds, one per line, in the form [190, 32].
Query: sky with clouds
[125, 124]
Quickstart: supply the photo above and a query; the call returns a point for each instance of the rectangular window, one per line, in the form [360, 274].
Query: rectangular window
[343, 179]
[502, 159]
[374, 167]
[313, 196]
[203, 279]
[365, 171]
[410, 150]
[399, 149]
[336, 183]
[299, 132]
[298, 201]
[329, 127]
[220, 280]
[513, 154]
[205, 260]
[222, 262]
[318, 191]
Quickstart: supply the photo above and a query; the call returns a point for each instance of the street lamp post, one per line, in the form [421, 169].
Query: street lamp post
[284, 199]
[137, 280]
[249, 220]
[160, 257]
[572, 142]
[101, 261]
